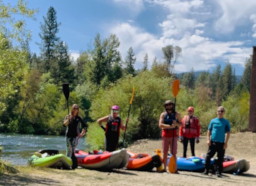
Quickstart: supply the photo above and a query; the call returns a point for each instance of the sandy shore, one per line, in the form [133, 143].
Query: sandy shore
[242, 145]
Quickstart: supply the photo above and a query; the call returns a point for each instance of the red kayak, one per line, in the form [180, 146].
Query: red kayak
[102, 161]
[236, 166]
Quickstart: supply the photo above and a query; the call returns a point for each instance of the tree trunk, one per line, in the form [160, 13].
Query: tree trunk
[252, 116]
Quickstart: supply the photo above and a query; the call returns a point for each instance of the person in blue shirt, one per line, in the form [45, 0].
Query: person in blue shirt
[217, 139]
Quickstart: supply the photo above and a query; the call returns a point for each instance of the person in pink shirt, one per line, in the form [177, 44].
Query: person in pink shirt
[189, 131]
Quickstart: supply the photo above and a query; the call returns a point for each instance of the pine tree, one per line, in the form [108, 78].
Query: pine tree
[246, 78]
[130, 61]
[226, 80]
[145, 63]
[105, 57]
[64, 72]
[49, 38]
[188, 79]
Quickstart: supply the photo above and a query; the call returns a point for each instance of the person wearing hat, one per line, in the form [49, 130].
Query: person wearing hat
[189, 131]
[217, 139]
[169, 122]
[112, 128]
[73, 133]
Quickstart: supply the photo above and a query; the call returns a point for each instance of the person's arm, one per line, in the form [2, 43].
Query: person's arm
[162, 125]
[198, 129]
[209, 137]
[226, 141]
[177, 122]
[66, 120]
[84, 128]
[103, 119]
[122, 126]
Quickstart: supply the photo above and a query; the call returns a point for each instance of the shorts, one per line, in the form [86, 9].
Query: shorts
[170, 142]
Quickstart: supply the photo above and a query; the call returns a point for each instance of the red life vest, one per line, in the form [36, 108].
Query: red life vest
[190, 127]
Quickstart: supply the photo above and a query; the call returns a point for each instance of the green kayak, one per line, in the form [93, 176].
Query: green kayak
[47, 159]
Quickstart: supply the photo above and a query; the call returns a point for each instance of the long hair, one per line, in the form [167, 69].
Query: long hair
[74, 107]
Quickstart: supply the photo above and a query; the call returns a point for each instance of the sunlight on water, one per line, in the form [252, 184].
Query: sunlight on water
[18, 148]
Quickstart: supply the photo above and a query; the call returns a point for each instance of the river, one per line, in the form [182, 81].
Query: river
[18, 148]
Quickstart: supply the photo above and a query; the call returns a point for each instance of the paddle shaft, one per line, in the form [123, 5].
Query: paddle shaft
[126, 124]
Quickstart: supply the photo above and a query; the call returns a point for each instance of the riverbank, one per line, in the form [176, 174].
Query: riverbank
[242, 145]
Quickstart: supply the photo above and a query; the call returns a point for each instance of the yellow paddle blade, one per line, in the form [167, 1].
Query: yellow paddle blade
[175, 87]
[133, 93]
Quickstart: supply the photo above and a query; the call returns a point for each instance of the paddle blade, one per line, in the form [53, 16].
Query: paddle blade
[175, 87]
[172, 165]
[133, 93]
[65, 89]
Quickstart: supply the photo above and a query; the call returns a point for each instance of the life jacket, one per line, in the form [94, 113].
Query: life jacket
[168, 119]
[113, 126]
[190, 127]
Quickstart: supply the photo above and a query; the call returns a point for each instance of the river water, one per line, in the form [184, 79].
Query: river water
[18, 148]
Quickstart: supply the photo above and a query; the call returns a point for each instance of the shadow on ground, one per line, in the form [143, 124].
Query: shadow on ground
[16, 179]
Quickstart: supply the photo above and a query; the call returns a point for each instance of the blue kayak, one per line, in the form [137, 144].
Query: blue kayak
[190, 164]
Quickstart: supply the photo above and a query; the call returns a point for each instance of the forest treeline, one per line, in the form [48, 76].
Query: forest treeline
[32, 101]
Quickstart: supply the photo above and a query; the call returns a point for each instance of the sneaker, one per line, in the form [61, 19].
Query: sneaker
[206, 172]
[219, 175]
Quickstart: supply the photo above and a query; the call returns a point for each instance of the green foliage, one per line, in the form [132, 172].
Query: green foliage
[105, 60]
[246, 78]
[12, 22]
[95, 137]
[150, 93]
[12, 69]
[237, 107]
[188, 79]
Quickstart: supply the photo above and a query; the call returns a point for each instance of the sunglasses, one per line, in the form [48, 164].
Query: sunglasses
[115, 111]
[221, 111]
[168, 104]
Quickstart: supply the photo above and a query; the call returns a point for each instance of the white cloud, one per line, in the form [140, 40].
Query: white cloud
[183, 26]
[135, 6]
[74, 55]
[234, 14]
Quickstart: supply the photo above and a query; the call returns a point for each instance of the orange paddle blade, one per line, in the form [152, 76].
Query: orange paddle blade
[172, 165]
[175, 87]
[133, 93]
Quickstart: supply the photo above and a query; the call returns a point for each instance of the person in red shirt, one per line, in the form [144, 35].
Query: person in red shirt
[189, 131]
[169, 122]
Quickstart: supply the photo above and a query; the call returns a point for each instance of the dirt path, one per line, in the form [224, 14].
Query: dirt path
[242, 145]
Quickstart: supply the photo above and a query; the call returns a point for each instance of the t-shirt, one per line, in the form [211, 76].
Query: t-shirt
[219, 127]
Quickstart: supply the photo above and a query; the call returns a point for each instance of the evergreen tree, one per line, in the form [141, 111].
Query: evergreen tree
[246, 78]
[216, 84]
[226, 80]
[145, 63]
[83, 59]
[105, 57]
[64, 72]
[203, 80]
[188, 79]
[49, 39]
[130, 61]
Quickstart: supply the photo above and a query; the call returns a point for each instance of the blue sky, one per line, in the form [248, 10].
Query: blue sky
[209, 32]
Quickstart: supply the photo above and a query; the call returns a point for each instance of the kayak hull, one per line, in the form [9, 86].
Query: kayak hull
[105, 161]
[143, 162]
[54, 161]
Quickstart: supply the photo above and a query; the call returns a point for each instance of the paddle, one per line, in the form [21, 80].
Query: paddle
[175, 90]
[128, 115]
[65, 89]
